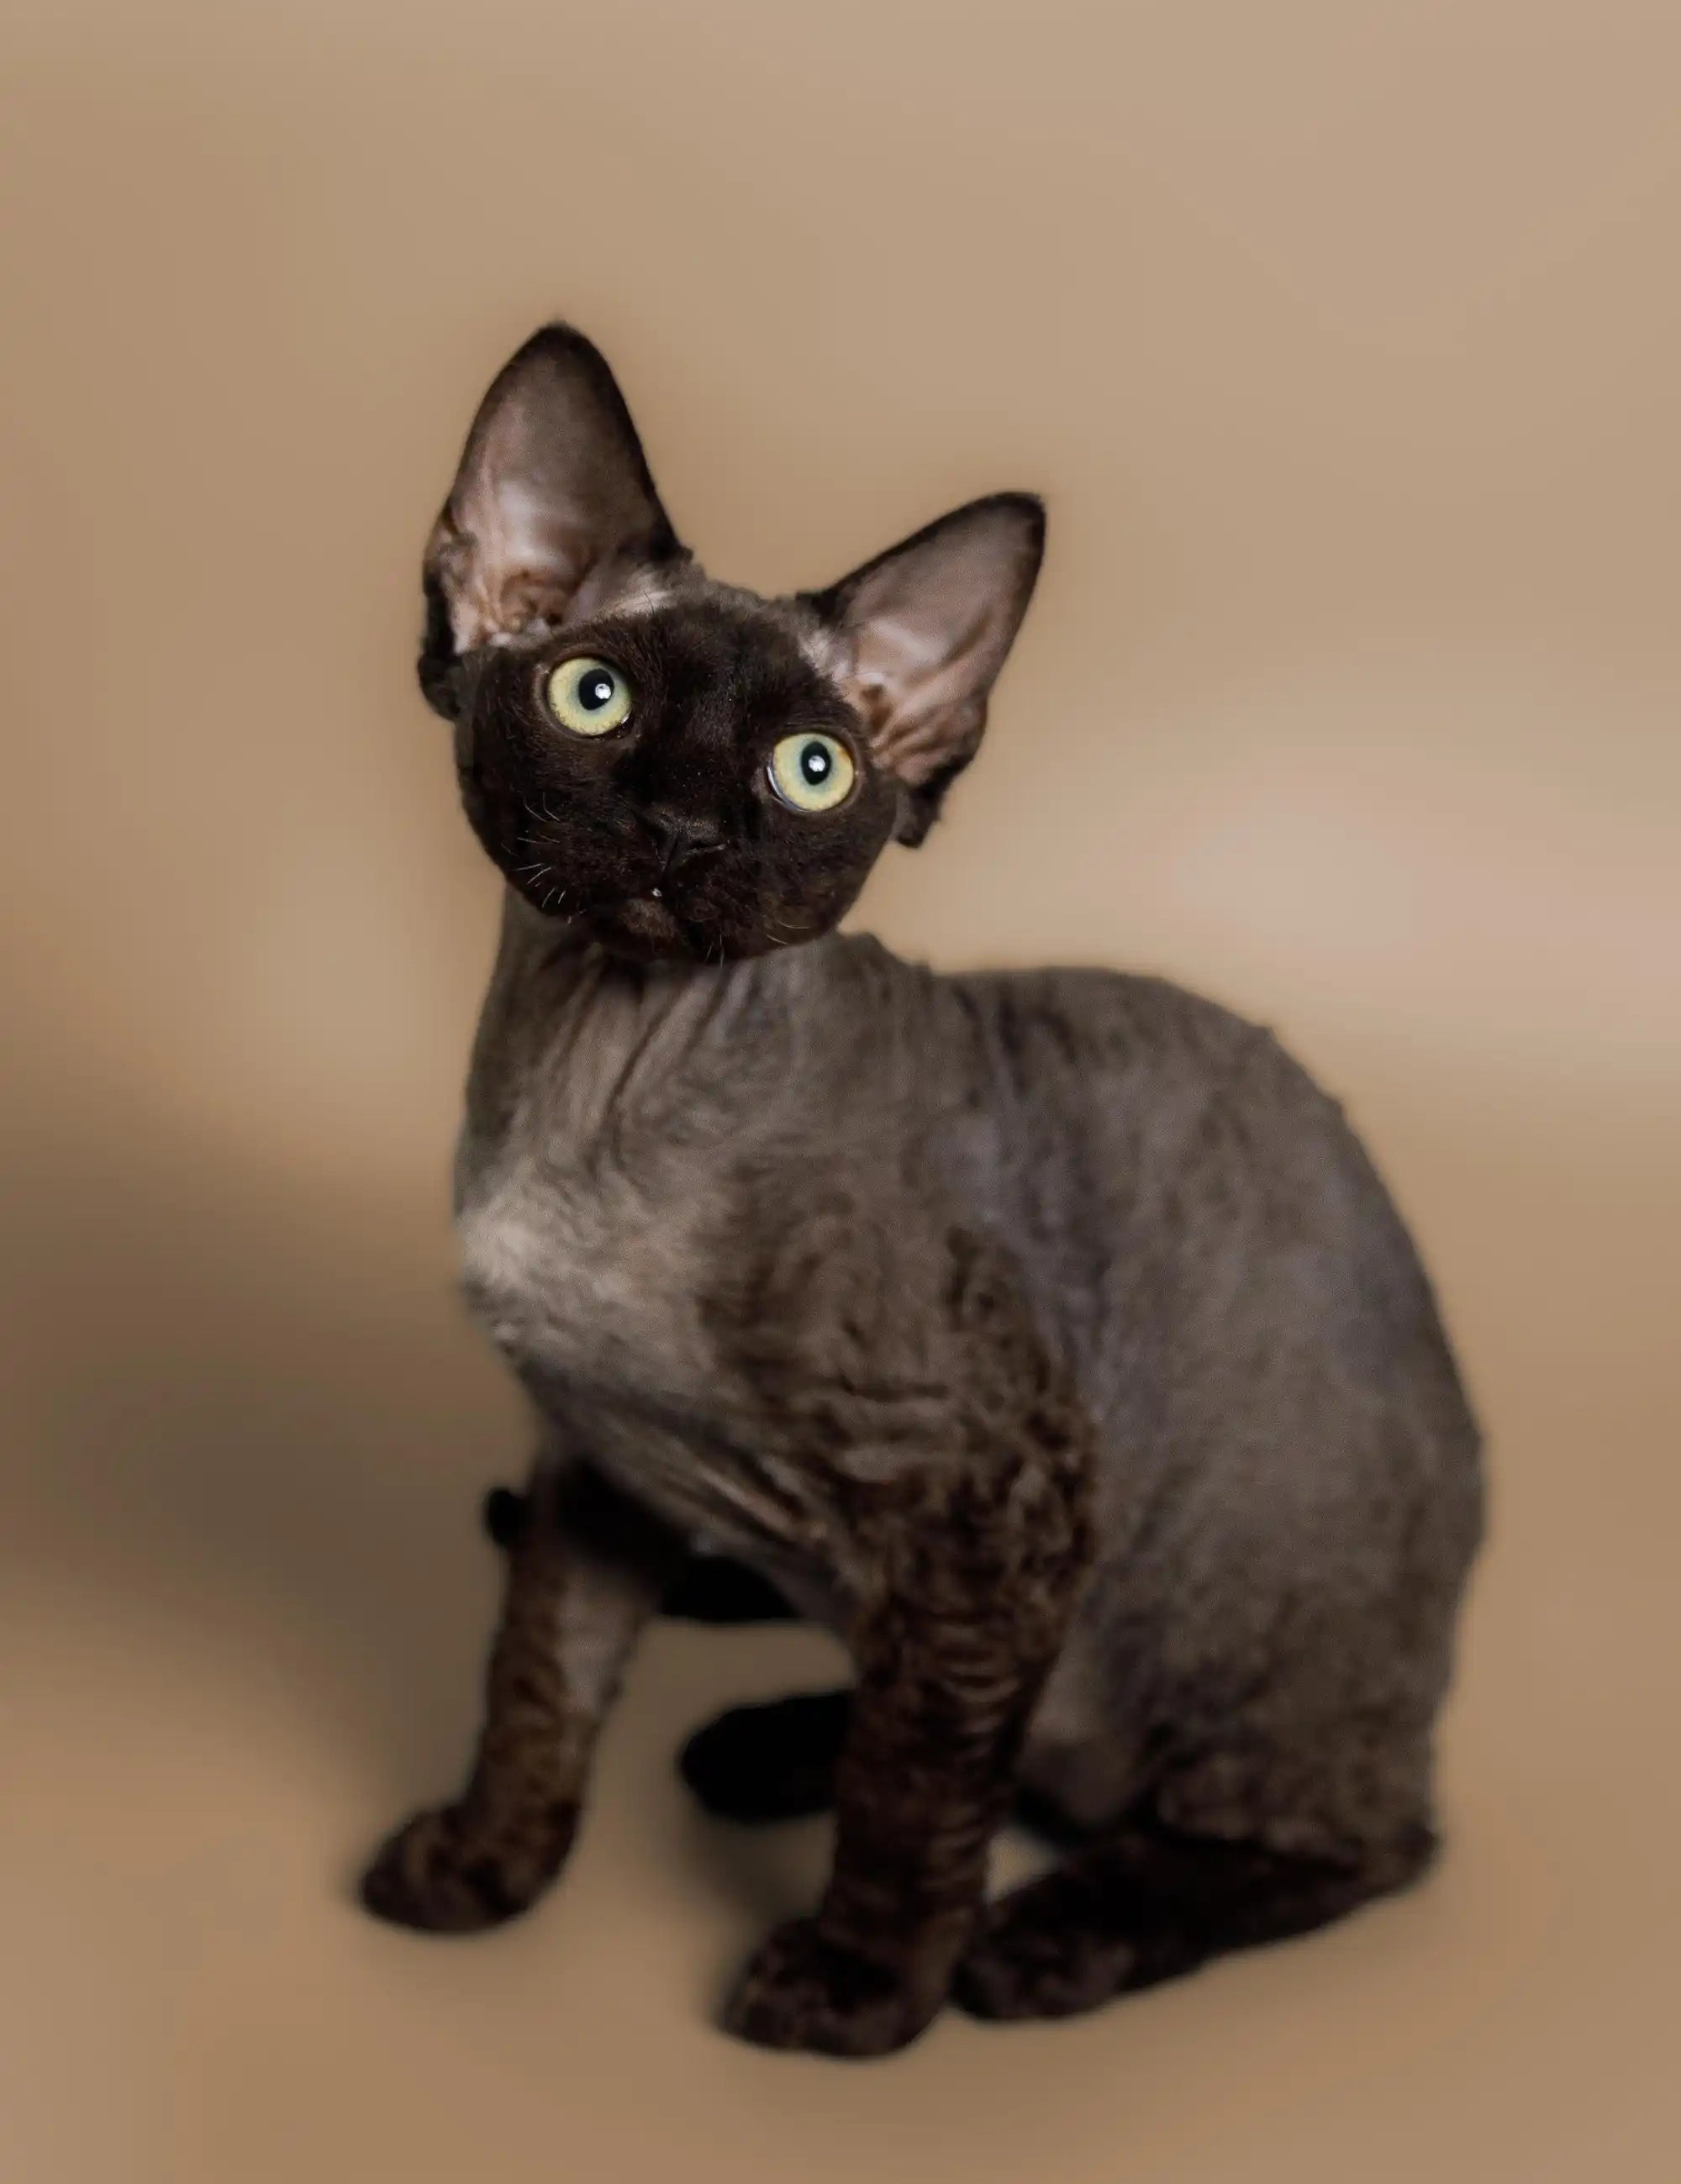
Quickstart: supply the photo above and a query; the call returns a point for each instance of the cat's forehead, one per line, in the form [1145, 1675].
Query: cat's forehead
[714, 641]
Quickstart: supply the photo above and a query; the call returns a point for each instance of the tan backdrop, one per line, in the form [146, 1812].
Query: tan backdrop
[1345, 342]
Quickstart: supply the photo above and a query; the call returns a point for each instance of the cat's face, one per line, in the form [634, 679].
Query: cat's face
[682, 777]
[695, 772]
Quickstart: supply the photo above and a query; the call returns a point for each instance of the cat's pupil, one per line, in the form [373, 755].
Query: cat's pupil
[816, 765]
[594, 690]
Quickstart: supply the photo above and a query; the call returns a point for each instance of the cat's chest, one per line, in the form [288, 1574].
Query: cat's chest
[581, 1264]
[593, 1282]
[666, 1210]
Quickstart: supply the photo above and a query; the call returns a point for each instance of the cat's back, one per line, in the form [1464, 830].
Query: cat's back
[1190, 1208]
[1142, 1093]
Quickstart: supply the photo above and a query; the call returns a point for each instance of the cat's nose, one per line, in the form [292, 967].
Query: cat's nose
[679, 838]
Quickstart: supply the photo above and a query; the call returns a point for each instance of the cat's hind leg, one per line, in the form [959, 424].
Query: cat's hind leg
[708, 1588]
[1150, 1902]
[713, 1588]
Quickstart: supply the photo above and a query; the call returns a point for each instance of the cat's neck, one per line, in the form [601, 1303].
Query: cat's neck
[570, 963]
[590, 1064]
[595, 1029]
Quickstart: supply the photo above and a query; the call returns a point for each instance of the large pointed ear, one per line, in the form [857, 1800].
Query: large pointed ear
[552, 511]
[923, 630]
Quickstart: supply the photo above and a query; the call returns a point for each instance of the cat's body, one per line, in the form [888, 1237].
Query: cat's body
[1284, 1484]
[1047, 1334]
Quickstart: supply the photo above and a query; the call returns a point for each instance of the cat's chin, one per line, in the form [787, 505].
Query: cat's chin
[644, 929]
[642, 924]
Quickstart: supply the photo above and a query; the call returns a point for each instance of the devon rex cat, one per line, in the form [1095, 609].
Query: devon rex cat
[1048, 1336]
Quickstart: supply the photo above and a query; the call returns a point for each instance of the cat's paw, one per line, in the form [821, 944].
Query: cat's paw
[1041, 1952]
[769, 1763]
[441, 1875]
[801, 1991]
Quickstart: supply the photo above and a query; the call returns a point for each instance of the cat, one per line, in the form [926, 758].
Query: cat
[1048, 1336]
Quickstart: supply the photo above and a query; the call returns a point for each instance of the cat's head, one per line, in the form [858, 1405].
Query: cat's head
[693, 770]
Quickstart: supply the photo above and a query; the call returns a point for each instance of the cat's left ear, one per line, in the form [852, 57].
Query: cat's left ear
[922, 631]
[552, 514]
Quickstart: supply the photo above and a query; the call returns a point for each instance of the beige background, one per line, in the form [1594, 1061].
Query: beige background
[1345, 341]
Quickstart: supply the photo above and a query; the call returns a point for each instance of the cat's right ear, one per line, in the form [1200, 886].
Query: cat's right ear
[922, 631]
[552, 512]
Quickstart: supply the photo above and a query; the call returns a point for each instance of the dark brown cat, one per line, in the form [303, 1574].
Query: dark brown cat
[1048, 1336]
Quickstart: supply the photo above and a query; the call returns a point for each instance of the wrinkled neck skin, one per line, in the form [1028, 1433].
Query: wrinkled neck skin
[653, 1063]
[574, 994]
[644, 1150]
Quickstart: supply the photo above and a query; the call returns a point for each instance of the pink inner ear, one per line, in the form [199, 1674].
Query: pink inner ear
[552, 511]
[922, 686]
[914, 745]
[486, 602]
[507, 557]
[927, 625]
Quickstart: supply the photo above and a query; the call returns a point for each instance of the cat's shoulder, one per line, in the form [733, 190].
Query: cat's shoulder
[1098, 1011]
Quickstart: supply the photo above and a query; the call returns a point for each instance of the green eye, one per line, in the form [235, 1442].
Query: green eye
[589, 697]
[811, 773]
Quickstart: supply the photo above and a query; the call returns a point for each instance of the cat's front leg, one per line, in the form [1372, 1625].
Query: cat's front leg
[951, 1656]
[585, 1570]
